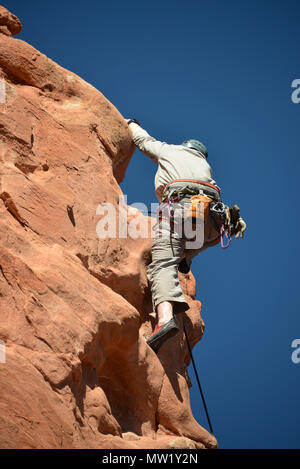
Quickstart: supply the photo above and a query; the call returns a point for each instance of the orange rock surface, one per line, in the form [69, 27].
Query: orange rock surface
[75, 309]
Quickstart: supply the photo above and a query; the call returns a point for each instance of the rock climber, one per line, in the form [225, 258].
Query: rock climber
[188, 196]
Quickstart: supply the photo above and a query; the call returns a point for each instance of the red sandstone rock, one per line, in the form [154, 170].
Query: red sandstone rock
[75, 308]
[9, 23]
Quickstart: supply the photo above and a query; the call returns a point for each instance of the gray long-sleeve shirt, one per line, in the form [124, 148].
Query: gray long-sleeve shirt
[174, 161]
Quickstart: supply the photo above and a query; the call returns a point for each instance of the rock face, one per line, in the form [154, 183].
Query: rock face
[75, 308]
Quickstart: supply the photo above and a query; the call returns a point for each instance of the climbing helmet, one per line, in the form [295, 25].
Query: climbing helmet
[196, 145]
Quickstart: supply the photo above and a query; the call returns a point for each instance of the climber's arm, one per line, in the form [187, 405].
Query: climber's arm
[145, 143]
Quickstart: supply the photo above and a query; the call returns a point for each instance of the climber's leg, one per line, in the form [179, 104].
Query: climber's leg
[163, 273]
[167, 296]
[164, 312]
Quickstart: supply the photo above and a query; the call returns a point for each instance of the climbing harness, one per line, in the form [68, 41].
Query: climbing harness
[207, 185]
[168, 201]
[223, 217]
[203, 202]
[198, 380]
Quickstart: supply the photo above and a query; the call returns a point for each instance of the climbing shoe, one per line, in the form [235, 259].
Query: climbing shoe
[162, 333]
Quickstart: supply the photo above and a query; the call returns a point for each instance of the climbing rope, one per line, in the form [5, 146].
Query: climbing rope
[198, 380]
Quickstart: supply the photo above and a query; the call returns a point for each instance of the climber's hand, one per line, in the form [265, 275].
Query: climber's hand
[132, 121]
[240, 227]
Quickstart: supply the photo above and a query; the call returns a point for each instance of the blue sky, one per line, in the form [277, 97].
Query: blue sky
[220, 72]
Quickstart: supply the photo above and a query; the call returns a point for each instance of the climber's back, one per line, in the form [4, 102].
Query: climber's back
[174, 161]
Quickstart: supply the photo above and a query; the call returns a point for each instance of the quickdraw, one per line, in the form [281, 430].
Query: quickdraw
[223, 232]
[219, 209]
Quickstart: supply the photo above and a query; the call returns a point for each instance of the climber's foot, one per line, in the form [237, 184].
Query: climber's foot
[161, 333]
